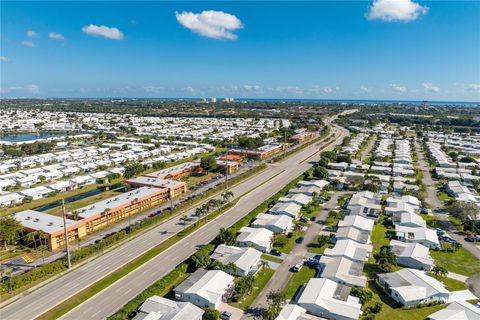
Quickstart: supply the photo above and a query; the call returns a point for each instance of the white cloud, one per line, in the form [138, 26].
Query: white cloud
[365, 89]
[28, 44]
[152, 89]
[103, 31]
[56, 36]
[4, 59]
[398, 88]
[211, 24]
[31, 33]
[31, 88]
[395, 10]
[430, 87]
[474, 87]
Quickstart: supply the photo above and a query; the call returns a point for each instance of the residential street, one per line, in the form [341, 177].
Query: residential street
[437, 206]
[282, 274]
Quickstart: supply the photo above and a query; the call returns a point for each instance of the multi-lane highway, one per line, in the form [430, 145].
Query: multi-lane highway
[113, 297]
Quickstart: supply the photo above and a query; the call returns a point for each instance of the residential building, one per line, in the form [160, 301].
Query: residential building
[246, 260]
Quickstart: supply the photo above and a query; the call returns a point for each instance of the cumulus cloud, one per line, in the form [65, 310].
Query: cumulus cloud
[474, 87]
[56, 36]
[395, 10]
[31, 33]
[398, 88]
[430, 87]
[211, 24]
[4, 59]
[28, 44]
[31, 88]
[365, 89]
[103, 31]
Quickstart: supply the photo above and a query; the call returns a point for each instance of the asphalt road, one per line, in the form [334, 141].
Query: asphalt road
[283, 273]
[438, 207]
[116, 295]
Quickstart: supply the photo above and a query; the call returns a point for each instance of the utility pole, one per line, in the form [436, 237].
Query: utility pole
[226, 174]
[66, 234]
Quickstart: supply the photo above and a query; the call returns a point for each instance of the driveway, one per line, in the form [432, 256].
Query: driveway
[299, 252]
[237, 314]
[437, 205]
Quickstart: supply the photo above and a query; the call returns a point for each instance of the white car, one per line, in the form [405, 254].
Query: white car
[297, 267]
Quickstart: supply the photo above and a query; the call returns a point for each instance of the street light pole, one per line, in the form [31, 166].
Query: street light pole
[66, 234]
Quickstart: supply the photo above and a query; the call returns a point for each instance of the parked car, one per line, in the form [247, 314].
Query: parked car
[304, 219]
[275, 252]
[425, 210]
[440, 232]
[297, 267]
[449, 239]
[299, 240]
[225, 315]
[471, 239]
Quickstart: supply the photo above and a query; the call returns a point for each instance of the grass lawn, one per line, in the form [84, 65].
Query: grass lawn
[261, 279]
[271, 258]
[311, 210]
[380, 236]
[391, 310]
[443, 196]
[297, 280]
[452, 284]
[314, 248]
[57, 211]
[290, 243]
[460, 261]
[431, 220]
[456, 222]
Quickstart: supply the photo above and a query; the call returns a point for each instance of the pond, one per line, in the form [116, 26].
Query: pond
[22, 137]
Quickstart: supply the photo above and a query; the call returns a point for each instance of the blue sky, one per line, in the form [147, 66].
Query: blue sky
[385, 49]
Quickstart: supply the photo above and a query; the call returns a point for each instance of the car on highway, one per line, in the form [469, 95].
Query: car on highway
[299, 240]
[225, 315]
[297, 267]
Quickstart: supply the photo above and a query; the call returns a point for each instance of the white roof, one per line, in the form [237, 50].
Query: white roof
[260, 236]
[210, 285]
[37, 220]
[350, 249]
[243, 258]
[413, 284]
[458, 310]
[412, 250]
[323, 292]
[116, 201]
[280, 221]
[159, 308]
[358, 222]
[288, 207]
[416, 233]
[295, 312]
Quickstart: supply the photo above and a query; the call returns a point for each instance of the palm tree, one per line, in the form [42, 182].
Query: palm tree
[439, 271]
[184, 219]
[32, 237]
[43, 248]
[75, 215]
[105, 212]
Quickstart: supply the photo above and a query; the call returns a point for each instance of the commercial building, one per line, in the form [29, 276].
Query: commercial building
[174, 188]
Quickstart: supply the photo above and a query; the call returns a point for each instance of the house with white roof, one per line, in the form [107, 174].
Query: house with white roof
[11, 199]
[287, 208]
[205, 288]
[328, 299]
[410, 287]
[352, 233]
[349, 249]
[316, 183]
[343, 270]
[364, 203]
[276, 223]
[427, 237]
[408, 219]
[159, 308]
[36, 193]
[412, 255]
[247, 260]
[299, 198]
[258, 238]
[457, 310]
[358, 222]
[295, 312]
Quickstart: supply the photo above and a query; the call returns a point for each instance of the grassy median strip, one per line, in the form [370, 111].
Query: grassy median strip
[82, 296]
[98, 286]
